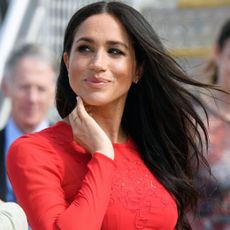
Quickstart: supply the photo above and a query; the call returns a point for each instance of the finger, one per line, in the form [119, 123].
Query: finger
[87, 108]
[73, 116]
[81, 108]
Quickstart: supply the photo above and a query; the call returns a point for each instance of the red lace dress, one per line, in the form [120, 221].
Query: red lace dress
[61, 186]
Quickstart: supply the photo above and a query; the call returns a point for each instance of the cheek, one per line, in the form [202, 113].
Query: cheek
[75, 72]
[19, 95]
[224, 61]
[77, 64]
[125, 70]
[74, 82]
[19, 105]
[225, 65]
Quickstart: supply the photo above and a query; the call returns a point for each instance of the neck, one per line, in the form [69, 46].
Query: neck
[109, 119]
[26, 129]
[110, 122]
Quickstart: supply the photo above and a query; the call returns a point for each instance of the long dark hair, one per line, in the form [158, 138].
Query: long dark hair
[224, 35]
[159, 114]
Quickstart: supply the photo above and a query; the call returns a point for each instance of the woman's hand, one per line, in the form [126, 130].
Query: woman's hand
[88, 133]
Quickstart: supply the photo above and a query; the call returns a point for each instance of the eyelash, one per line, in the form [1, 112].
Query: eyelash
[84, 48]
[115, 51]
[112, 51]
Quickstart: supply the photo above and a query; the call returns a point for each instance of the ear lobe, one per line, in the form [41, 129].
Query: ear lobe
[5, 87]
[66, 60]
[136, 79]
[139, 73]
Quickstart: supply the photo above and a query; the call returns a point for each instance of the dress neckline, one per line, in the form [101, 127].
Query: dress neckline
[128, 143]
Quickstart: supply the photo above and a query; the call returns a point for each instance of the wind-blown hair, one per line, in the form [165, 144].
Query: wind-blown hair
[159, 114]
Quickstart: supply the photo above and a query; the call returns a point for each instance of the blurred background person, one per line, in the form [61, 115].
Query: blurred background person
[29, 82]
[214, 208]
[12, 217]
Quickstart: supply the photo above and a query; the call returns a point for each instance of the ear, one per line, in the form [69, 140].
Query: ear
[5, 87]
[138, 74]
[66, 60]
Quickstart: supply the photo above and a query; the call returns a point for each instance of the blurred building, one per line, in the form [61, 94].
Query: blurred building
[187, 27]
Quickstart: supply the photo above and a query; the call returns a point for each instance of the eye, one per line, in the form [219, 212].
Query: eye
[23, 87]
[116, 51]
[84, 49]
[41, 89]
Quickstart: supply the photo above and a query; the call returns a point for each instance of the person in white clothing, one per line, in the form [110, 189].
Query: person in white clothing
[12, 217]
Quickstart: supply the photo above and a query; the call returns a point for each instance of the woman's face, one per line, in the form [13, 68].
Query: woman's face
[101, 63]
[223, 62]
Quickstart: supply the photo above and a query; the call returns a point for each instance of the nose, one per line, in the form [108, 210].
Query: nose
[98, 61]
[33, 95]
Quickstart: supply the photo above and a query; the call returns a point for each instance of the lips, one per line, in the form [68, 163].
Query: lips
[97, 80]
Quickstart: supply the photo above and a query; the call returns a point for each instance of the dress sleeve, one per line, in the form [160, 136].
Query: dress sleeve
[36, 177]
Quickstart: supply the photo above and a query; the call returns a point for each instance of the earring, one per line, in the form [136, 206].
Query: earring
[136, 79]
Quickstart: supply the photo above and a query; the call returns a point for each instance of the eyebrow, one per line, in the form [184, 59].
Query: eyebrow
[110, 42]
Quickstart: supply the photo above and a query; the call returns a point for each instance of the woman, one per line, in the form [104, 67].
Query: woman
[214, 208]
[12, 217]
[123, 156]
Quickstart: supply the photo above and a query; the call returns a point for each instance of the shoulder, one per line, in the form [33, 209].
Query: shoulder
[12, 208]
[40, 146]
[56, 133]
[37, 140]
[2, 130]
[2, 133]
[29, 149]
[2, 140]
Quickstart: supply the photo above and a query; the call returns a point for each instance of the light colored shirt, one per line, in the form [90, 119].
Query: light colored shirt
[12, 133]
[12, 217]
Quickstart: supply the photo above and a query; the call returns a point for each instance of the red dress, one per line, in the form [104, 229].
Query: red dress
[61, 186]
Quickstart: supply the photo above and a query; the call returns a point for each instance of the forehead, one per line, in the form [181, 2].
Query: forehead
[32, 64]
[33, 69]
[104, 26]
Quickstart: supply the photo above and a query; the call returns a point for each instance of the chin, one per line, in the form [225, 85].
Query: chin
[33, 122]
[93, 102]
